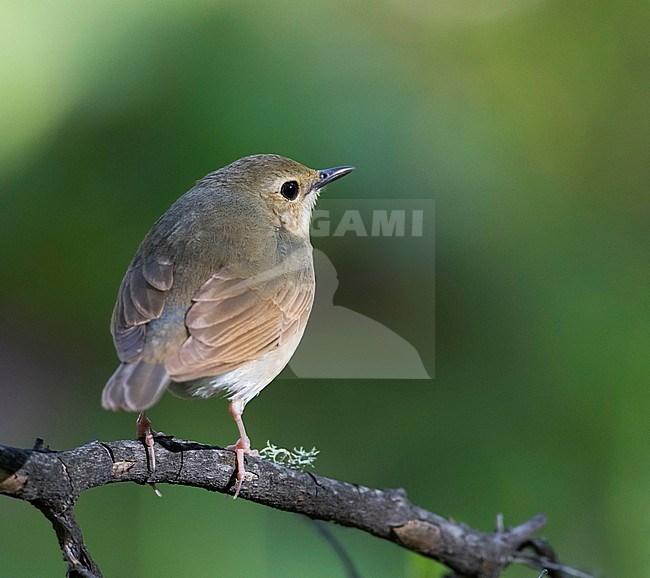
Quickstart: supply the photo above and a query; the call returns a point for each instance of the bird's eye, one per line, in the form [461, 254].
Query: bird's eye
[290, 190]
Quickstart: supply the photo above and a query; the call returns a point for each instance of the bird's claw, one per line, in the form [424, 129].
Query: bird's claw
[146, 432]
[241, 448]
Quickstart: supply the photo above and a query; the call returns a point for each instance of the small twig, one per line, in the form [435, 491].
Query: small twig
[553, 569]
[326, 533]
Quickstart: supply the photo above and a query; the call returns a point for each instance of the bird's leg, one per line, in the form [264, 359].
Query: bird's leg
[145, 431]
[243, 446]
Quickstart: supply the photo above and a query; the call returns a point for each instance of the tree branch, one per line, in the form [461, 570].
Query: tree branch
[53, 481]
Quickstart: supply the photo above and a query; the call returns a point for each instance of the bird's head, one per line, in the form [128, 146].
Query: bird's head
[286, 188]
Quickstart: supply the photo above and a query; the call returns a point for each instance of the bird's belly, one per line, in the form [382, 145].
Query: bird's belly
[246, 381]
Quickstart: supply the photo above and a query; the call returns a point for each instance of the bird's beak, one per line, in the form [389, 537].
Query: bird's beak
[329, 175]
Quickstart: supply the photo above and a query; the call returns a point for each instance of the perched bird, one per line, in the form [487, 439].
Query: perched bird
[218, 294]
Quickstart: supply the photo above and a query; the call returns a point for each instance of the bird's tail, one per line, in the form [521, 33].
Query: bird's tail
[135, 386]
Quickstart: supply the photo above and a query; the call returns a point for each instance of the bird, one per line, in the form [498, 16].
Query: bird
[217, 297]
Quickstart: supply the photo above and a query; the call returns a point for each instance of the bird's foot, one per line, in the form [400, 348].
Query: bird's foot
[146, 432]
[241, 448]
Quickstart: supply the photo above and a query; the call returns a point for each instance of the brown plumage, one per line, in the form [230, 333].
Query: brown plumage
[218, 294]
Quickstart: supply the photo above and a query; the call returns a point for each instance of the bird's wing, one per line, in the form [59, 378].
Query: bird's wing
[141, 298]
[233, 320]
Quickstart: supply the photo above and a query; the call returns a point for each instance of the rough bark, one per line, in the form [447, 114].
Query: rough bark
[53, 481]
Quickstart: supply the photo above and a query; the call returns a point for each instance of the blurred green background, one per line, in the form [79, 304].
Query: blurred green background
[524, 120]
